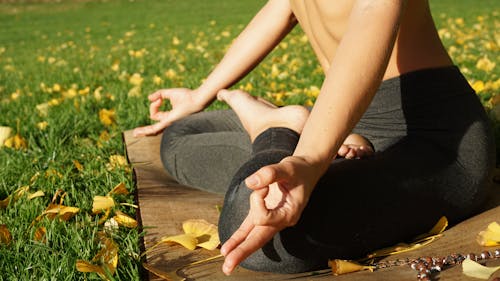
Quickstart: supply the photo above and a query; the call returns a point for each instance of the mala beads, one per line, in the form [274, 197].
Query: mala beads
[426, 266]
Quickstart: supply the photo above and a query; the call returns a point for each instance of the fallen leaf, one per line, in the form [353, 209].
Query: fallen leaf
[5, 133]
[40, 234]
[490, 236]
[102, 203]
[107, 116]
[36, 194]
[344, 266]
[62, 212]
[78, 165]
[197, 233]
[104, 262]
[119, 189]
[16, 142]
[124, 220]
[116, 161]
[476, 270]
[5, 236]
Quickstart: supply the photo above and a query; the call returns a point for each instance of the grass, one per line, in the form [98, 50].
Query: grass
[64, 63]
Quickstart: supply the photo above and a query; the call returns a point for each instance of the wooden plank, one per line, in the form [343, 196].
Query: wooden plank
[164, 205]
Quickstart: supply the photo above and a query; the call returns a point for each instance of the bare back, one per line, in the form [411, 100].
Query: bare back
[417, 44]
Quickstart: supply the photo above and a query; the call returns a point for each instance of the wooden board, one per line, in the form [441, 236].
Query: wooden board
[164, 205]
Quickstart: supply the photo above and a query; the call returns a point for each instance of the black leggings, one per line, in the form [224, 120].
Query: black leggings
[434, 155]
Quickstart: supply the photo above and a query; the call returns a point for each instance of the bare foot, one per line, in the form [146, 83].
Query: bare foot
[355, 146]
[258, 115]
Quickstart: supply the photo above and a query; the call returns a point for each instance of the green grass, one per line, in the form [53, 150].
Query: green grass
[48, 49]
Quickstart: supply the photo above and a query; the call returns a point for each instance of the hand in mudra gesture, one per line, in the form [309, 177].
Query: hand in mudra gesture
[184, 102]
[281, 192]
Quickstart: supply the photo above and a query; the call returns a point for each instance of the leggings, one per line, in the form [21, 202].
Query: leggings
[434, 155]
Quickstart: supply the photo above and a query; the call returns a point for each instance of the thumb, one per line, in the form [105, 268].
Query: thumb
[266, 176]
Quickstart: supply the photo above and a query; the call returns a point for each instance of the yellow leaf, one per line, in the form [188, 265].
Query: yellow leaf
[343, 266]
[64, 213]
[102, 203]
[490, 236]
[5, 236]
[78, 165]
[107, 116]
[474, 269]
[116, 161]
[83, 266]
[40, 234]
[38, 193]
[205, 232]
[119, 189]
[43, 109]
[485, 64]
[4, 203]
[124, 220]
[5, 133]
[42, 125]
[134, 92]
[186, 240]
[135, 79]
[16, 142]
[418, 242]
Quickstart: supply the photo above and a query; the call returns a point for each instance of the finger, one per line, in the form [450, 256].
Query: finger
[154, 109]
[267, 175]
[343, 150]
[259, 212]
[151, 130]
[158, 95]
[239, 236]
[351, 154]
[258, 237]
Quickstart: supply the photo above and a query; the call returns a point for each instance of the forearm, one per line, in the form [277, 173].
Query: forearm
[273, 22]
[352, 80]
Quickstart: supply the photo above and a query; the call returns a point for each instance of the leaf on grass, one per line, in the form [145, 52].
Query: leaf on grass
[197, 233]
[124, 220]
[78, 165]
[104, 262]
[107, 117]
[36, 194]
[102, 203]
[14, 196]
[116, 161]
[5, 133]
[16, 142]
[119, 189]
[476, 270]
[40, 234]
[62, 212]
[5, 236]
[344, 266]
[490, 236]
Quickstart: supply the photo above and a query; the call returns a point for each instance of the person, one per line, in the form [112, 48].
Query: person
[415, 140]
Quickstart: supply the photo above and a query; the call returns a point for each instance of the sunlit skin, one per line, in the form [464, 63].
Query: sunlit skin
[359, 44]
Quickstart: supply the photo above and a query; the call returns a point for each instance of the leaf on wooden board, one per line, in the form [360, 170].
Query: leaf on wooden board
[343, 266]
[490, 236]
[197, 233]
[476, 270]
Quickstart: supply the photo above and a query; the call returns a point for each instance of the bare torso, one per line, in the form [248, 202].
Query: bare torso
[417, 45]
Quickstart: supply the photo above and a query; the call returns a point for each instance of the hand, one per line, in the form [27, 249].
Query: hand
[184, 102]
[281, 192]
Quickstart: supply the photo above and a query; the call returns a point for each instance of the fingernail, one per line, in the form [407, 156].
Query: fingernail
[252, 181]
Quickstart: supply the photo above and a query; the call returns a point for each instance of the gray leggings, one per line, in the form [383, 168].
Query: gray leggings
[434, 156]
